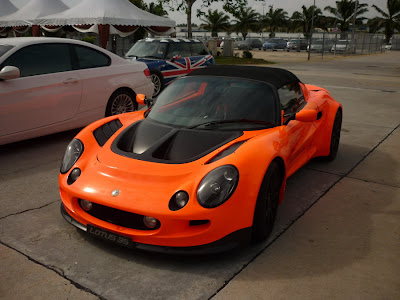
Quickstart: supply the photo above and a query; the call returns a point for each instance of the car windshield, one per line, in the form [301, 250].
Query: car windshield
[147, 49]
[209, 102]
[4, 49]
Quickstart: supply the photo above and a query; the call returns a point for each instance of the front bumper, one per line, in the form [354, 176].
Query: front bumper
[229, 242]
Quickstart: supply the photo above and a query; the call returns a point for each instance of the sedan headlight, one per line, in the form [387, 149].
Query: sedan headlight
[72, 154]
[217, 186]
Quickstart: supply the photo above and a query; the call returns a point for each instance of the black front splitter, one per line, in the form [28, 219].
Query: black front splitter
[232, 241]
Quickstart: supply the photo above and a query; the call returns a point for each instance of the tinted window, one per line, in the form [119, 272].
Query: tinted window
[41, 59]
[292, 100]
[150, 49]
[181, 49]
[199, 49]
[90, 58]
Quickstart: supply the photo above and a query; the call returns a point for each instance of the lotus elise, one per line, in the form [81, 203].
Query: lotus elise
[204, 168]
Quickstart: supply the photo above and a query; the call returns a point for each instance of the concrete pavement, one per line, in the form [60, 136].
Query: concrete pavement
[336, 236]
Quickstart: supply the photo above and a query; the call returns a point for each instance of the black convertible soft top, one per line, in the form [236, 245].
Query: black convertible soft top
[275, 76]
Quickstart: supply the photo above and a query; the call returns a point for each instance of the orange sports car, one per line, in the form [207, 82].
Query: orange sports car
[204, 167]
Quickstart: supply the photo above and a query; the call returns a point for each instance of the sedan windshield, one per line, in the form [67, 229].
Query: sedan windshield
[209, 102]
[147, 49]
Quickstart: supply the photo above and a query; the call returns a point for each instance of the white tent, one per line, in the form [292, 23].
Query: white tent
[113, 12]
[30, 13]
[99, 16]
[7, 8]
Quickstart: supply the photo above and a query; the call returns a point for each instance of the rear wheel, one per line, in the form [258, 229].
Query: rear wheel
[335, 136]
[156, 78]
[121, 101]
[267, 203]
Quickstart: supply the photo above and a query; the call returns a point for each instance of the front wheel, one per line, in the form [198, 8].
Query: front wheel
[267, 203]
[120, 102]
[335, 136]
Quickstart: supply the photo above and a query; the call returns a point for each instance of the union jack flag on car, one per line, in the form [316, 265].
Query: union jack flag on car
[170, 58]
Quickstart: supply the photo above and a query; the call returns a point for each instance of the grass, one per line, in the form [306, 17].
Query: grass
[227, 60]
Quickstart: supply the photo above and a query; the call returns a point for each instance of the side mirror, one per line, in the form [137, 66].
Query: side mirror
[142, 99]
[9, 72]
[307, 115]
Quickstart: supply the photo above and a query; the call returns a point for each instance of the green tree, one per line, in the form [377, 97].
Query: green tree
[215, 21]
[157, 9]
[139, 3]
[273, 19]
[344, 13]
[246, 19]
[187, 5]
[303, 19]
[390, 20]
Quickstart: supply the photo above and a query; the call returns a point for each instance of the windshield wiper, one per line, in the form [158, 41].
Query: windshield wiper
[212, 123]
[131, 56]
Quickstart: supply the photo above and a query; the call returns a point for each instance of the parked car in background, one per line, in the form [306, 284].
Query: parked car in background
[168, 58]
[343, 46]
[234, 38]
[48, 85]
[248, 44]
[387, 46]
[320, 45]
[297, 44]
[274, 44]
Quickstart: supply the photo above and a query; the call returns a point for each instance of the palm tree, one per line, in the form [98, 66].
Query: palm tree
[390, 20]
[215, 21]
[303, 19]
[246, 19]
[344, 13]
[274, 19]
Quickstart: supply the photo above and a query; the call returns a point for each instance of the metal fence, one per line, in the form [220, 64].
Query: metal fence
[348, 43]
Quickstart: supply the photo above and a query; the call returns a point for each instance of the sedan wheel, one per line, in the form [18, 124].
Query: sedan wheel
[121, 102]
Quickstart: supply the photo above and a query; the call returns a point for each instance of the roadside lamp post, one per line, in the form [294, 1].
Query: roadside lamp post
[311, 32]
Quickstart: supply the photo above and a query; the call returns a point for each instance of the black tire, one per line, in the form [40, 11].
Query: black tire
[121, 101]
[267, 203]
[158, 82]
[335, 136]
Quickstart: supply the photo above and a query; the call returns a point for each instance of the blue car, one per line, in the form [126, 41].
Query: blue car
[169, 58]
[274, 44]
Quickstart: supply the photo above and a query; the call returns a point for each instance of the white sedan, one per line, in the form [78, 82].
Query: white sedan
[48, 85]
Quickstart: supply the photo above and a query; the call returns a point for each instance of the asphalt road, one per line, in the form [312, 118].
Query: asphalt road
[44, 257]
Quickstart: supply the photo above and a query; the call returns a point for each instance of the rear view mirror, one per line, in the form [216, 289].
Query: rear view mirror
[307, 115]
[143, 100]
[140, 98]
[9, 72]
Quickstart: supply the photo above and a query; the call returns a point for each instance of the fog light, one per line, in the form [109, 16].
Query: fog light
[86, 205]
[150, 222]
[73, 176]
[178, 200]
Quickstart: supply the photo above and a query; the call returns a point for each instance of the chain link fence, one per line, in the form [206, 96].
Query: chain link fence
[349, 43]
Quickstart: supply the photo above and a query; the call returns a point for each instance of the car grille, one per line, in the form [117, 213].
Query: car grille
[118, 217]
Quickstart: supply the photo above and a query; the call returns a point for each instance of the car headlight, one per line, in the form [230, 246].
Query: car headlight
[72, 154]
[217, 186]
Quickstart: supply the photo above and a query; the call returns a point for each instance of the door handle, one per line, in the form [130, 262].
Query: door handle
[70, 80]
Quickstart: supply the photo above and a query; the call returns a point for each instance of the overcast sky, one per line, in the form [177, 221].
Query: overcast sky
[288, 5]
